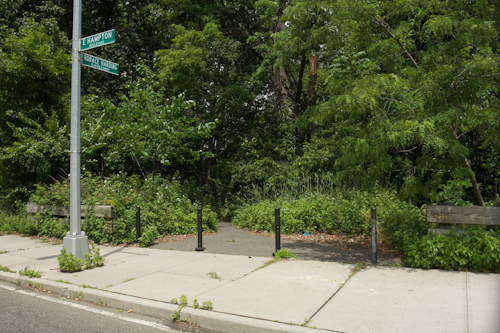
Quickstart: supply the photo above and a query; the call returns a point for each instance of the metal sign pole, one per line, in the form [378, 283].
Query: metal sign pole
[76, 242]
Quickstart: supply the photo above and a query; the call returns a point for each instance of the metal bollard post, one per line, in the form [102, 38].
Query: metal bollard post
[374, 235]
[277, 229]
[137, 223]
[200, 231]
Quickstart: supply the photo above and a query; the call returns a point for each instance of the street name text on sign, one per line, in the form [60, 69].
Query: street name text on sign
[100, 39]
[100, 64]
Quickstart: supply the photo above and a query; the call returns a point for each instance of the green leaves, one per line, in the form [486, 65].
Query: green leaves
[145, 130]
[405, 93]
[336, 213]
[475, 250]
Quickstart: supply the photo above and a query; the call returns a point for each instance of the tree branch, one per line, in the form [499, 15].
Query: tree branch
[387, 29]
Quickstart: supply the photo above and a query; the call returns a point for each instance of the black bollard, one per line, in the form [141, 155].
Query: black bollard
[200, 231]
[137, 223]
[374, 235]
[277, 229]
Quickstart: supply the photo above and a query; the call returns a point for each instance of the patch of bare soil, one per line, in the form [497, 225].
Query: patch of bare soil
[344, 241]
[174, 238]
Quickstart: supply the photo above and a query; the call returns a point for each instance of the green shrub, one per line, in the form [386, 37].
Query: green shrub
[149, 235]
[68, 262]
[164, 208]
[93, 258]
[47, 225]
[475, 250]
[11, 223]
[340, 212]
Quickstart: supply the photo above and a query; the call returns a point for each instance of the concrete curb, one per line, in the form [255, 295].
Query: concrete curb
[206, 319]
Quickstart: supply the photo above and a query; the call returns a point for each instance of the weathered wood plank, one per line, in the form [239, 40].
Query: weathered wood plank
[101, 211]
[463, 215]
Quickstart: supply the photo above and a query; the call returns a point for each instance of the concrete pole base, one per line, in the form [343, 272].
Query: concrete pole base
[77, 245]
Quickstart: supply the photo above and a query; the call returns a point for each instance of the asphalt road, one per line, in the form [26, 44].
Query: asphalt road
[235, 241]
[26, 310]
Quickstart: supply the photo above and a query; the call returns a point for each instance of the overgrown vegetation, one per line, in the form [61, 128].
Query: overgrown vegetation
[243, 106]
[165, 210]
[68, 262]
[474, 250]
[339, 212]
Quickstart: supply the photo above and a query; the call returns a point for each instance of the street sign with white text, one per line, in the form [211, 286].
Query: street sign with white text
[100, 64]
[100, 39]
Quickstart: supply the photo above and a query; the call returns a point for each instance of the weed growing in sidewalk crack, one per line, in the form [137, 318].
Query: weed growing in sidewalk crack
[284, 254]
[358, 267]
[102, 302]
[184, 300]
[77, 295]
[63, 281]
[213, 275]
[6, 269]
[93, 258]
[30, 273]
[306, 323]
[87, 286]
[207, 305]
[176, 316]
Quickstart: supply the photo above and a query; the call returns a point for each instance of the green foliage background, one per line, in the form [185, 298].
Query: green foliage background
[243, 101]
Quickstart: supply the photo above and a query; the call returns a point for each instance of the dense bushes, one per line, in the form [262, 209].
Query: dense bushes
[475, 250]
[165, 210]
[400, 225]
[346, 212]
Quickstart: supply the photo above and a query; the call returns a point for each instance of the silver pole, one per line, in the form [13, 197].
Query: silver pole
[75, 241]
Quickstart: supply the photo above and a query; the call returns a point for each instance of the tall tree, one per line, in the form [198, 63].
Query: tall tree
[412, 82]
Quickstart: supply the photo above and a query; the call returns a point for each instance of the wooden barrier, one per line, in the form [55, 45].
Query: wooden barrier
[99, 211]
[448, 215]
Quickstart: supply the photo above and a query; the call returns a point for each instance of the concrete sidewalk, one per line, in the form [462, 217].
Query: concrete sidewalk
[248, 296]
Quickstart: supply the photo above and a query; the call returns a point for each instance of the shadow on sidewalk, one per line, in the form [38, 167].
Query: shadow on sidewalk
[235, 241]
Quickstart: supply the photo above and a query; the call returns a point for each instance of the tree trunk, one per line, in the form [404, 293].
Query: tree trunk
[209, 166]
[279, 82]
[472, 175]
[475, 186]
[313, 76]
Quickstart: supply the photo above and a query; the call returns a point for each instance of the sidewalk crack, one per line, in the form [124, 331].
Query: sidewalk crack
[355, 270]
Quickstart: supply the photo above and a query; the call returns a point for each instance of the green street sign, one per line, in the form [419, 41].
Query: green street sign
[100, 64]
[100, 39]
